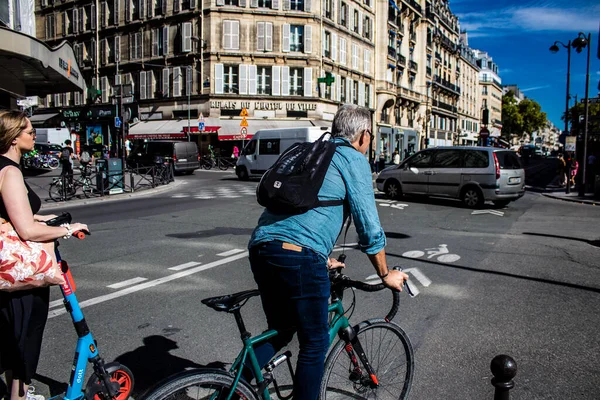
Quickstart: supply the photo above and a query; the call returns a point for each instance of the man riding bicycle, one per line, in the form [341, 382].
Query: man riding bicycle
[289, 253]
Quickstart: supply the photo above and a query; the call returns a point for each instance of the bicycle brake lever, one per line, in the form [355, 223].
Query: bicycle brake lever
[410, 288]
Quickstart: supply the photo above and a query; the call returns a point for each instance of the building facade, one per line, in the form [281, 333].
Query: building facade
[469, 106]
[490, 85]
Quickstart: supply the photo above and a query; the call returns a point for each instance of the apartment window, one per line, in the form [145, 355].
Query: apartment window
[355, 92]
[344, 14]
[484, 90]
[113, 11]
[186, 37]
[343, 49]
[356, 21]
[367, 27]
[328, 9]
[342, 89]
[231, 35]
[296, 5]
[297, 38]
[264, 36]
[263, 78]
[135, 46]
[227, 2]
[89, 15]
[354, 56]
[327, 44]
[296, 86]
[264, 4]
[230, 79]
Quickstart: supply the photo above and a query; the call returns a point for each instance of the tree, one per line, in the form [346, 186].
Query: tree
[577, 115]
[533, 117]
[512, 121]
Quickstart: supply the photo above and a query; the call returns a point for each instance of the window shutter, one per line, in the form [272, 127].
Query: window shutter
[186, 38]
[286, 5]
[276, 81]
[370, 96]
[142, 85]
[142, 8]
[64, 23]
[93, 16]
[308, 92]
[192, 4]
[333, 9]
[343, 49]
[307, 5]
[367, 56]
[218, 78]
[140, 45]
[220, 2]
[235, 35]
[176, 81]
[189, 81]
[354, 56]
[243, 76]
[117, 48]
[165, 82]
[260, 36]
[338, 87]
[164, 7]
[103, 14]
[285, 43]
[275, 4]
[227, 35]
[127, 10]
[176, 6]
[307, 39]
[116, 6]
[360, 23]
[321, 85]
[149, 84]
[103, 45]
[268, 36]
[154, 35]
[334, 46]
[242, 3]
[93, 51]
[253, 3]
[350, 18]
[104, 89]
[252, 79]
[75, 20]
[165, 40]
[285, 81]
[361, 94]
[348, 90]
[150, 12]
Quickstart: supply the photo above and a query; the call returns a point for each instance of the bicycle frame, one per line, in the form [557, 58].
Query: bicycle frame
[339, 323]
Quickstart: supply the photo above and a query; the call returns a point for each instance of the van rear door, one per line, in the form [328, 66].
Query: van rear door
[269, 149]
[512, 175]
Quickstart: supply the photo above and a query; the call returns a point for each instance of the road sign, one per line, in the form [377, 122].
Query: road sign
[201, 126]
[244, 122]
[570, 143]
[201, 118]
[327, 80]
[117, 122]
[243, 132]
[244, 113]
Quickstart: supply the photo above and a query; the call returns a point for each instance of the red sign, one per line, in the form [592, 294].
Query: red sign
[235, 137]
[207, 129]
[484, 132]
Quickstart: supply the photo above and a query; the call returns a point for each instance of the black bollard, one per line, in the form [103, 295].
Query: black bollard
[504, 369]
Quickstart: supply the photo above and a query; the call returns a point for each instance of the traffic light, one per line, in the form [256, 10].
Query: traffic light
[426, 141]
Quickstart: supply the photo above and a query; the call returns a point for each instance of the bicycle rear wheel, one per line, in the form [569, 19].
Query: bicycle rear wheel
[58, 192]
[390, 354]
[200, 384]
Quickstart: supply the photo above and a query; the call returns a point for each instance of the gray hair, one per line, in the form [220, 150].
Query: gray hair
[350, 121]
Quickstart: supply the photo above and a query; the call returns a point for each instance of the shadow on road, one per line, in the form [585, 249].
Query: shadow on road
[218, 231]
[54, 387]
[435, 201]
[396, 235]
[507, 274]
[595, 243]
[153, 362]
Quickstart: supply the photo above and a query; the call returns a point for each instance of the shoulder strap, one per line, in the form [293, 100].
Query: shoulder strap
[331, 203]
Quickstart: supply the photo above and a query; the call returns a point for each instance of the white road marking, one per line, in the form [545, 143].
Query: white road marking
[230, 252]
[418, 275]
[493, 212]
[56, 303]
[346, 246]
[128, 282]
[149, 284]
[383, 201]
[184, 266]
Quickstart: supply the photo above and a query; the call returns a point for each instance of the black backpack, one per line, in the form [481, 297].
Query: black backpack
[65, 154]
[292, 184]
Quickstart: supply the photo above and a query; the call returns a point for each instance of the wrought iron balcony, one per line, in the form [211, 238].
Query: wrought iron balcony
[414, 66]
[428, 70]
[401, 60]
[414, 4]
[391, 52]
[445, 84]
[444, 106]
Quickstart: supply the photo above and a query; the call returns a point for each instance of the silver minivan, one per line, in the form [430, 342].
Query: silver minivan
[471, 174]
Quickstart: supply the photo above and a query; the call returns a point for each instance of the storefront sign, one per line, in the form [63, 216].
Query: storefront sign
[263, 105]
[71, 114]
[66, 65]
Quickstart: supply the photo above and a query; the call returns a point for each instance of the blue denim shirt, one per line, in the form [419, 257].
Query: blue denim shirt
[319, 228]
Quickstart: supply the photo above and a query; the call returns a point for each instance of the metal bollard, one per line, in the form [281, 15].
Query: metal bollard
[504, 369]
[131, 181]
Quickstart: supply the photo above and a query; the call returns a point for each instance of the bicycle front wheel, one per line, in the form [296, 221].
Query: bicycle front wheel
[200, 384]
[223, 165]
[387, 349]
[57, 192]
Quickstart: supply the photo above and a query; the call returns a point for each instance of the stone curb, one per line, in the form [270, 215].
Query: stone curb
[573, 199]
[124, 196]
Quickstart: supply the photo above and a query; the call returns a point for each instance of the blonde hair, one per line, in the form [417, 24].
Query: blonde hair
[12, 124]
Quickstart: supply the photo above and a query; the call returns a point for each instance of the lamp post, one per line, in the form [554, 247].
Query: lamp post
[578, 44]
[554, 49]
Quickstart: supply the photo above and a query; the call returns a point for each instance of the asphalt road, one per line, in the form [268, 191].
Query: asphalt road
[521, 281]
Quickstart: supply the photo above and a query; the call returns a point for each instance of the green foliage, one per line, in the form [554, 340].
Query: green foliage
[525, 117]
[576, 117]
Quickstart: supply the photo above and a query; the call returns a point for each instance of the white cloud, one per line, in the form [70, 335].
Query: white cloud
[535, 88]
[538, 18]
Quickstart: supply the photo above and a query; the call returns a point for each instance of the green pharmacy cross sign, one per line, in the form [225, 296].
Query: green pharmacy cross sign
[328, 79]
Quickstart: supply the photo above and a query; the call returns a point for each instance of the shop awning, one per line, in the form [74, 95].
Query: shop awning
[231, 129]
[161, 129]
[41, 118]
[28, 67]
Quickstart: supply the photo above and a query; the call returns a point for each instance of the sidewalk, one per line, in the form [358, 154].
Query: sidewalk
[559, 194]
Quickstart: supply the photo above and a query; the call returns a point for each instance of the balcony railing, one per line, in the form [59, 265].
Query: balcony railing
[415, 5]
[445, 84]
[428, 70]
[401, 60]
[413, 36]
[444, 106]
[409, 93]
[447, 43]
[414, 66]
[438, 56]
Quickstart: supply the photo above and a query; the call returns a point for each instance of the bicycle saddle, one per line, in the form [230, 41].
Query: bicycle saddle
[229, 302]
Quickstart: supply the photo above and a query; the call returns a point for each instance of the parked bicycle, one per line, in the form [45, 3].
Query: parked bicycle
[373, 359]
[66, 187]
[224, 163]
[207, 162]
[109, 381]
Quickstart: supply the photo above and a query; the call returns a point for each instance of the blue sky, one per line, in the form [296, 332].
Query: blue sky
[518, 35]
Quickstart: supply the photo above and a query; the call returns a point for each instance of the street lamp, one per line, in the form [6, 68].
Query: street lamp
[578, 44]
[554, 49]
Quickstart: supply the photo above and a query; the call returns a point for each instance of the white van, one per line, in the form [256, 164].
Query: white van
[267, 145]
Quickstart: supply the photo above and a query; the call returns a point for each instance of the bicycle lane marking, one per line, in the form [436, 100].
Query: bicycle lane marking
[146, 285]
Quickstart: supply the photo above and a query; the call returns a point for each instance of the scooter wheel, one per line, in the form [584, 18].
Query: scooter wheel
[124, 377]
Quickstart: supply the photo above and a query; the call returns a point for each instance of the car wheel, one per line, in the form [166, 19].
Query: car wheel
[501, 203]
[392, 189]
[472, 197]
[242, 174]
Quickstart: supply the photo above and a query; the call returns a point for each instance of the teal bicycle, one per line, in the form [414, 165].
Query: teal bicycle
[371, 360]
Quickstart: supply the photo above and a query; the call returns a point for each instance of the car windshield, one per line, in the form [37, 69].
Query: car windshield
[508, 160]
[55, 147]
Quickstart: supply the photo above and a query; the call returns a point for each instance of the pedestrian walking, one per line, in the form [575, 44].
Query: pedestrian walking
[561, 171]
[396, 157]
[574, 169]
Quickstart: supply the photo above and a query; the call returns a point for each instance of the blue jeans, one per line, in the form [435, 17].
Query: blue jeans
[295, 289]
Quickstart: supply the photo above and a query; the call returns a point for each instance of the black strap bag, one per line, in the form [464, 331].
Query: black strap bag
[292, 184]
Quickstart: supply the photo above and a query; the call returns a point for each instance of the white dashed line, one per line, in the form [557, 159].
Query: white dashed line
[230, 252]
[128, 282]
[184, 266]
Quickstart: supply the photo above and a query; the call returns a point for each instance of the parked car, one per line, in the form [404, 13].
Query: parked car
[183, 155]
[471, 174]
[48, 149]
